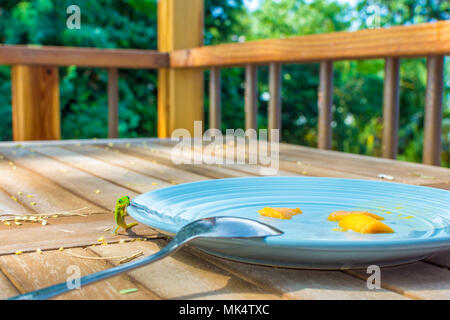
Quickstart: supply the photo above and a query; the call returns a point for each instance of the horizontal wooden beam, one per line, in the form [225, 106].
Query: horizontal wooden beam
[402, 41]
[83, 57]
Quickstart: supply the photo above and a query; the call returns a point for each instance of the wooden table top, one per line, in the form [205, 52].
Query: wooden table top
[73, 185]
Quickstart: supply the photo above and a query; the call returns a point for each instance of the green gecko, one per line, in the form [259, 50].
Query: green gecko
[120, 212]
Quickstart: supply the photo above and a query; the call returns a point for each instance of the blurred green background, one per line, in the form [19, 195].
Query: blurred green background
[357, 124]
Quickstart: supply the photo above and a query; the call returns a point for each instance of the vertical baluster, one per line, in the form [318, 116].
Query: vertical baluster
[251, 97]
[113, 103]
[35, 102]
[433, 111]
[325, 104]
[274, 107]
[391, 108]
[215, 108]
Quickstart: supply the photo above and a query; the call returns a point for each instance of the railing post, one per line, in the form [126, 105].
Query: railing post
[433, 111]
[251, 97]
[113, 103]
[325, 104]
[215, 108]
[390, 108]
[180, 91]
[274, 112]
[35, 103]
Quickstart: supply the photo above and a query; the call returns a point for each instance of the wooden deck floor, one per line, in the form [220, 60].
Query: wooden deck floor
[75, 184]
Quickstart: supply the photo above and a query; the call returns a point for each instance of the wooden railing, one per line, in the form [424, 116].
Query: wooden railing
[181, 61]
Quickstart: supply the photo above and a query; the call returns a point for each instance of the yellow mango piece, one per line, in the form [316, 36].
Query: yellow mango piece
[338, 215]
[279, 213]
[364, 224]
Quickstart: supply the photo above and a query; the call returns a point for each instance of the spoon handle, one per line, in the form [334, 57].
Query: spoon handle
[57, 289]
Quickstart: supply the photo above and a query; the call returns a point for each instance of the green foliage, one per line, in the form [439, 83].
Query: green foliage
[105, 24]
[357, 122]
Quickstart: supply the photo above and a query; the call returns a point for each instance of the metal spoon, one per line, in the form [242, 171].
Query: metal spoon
[215, 227]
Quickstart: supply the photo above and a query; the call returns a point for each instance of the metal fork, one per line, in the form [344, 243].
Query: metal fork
[215, 227]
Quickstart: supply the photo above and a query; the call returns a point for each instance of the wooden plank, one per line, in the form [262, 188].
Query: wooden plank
[180, 92]
[400, 41]
[251, 97]
[215, 107]
[113, 103]
[117, 175]
[82, 57]
[182, 276]
[37, 194]
[417, 280]
[101, 192]
[325, 105]
[6, 288]
[8, 206]
[402, 171]
[441, 259]
[391, 108]
[274, 106]
[433, 111]
[162, 155]
[35, 102]
[300, 284]
[445, 186]
[31, 271]
[288, 165]
[148, 166]
[68, 232]
[223, 170]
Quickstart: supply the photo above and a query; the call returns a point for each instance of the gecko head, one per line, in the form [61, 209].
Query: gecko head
[123, 201]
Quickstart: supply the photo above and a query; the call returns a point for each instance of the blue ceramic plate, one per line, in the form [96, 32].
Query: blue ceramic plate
[420, 217]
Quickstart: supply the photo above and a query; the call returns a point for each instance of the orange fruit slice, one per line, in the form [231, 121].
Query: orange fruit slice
[338, 215]
[364, 224]
[279, 213]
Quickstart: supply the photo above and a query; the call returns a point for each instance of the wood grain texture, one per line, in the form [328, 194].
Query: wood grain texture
[220, 168]
[82, 57]
[417, 280]
[325, 105]
[180, 92]
[35, 103]
[401, 41]
[149, 166]
[391, 108]
[441, 259]
[215, 106]
[134, 181]
[37, 194]
[113, 103]
[274, 106]
[183, 276]
[301, 284]
[86, 186]
[31, 271]
[251, 97]
[68, 232]
[433, 111]
[371, 167]
[9, 206]
[7, 289]
[162, 155]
